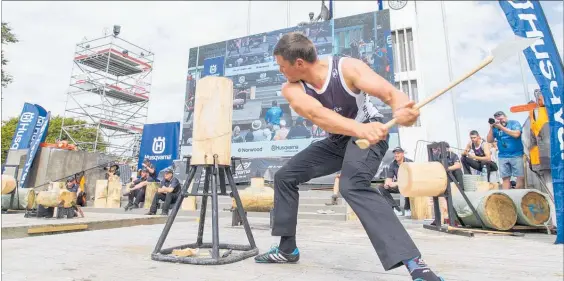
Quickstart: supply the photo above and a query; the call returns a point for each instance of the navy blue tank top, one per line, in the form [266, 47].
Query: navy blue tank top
[337, 96]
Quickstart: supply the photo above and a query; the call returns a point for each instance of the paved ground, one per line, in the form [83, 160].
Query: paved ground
[330, 251]
[18, 219]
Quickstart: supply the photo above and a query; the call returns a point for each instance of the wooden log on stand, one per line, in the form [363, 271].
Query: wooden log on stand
[533, 208]
[214, 105]
[8, 184]
[23, 198]
[495, 208]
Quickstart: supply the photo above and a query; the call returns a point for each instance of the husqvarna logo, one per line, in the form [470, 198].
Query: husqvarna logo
[159, 145]
[26, 117]
[213, 68]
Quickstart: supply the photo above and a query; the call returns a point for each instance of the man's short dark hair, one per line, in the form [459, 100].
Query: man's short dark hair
[295, 45]
[474, 133]
[499, 113]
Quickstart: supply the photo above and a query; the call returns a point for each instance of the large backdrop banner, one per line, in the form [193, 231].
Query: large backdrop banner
[159, 144]
[263, 123]
[527, 19]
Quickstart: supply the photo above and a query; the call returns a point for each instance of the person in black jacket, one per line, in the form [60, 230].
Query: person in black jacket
[391, 185]
[168, 192]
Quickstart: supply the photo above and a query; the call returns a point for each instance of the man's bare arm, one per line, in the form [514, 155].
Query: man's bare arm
[490, 137]
[487, 152]
[466, 150]
[313, 110]
[390, 182]
[512, 133]
[455, 166]
[363, 78]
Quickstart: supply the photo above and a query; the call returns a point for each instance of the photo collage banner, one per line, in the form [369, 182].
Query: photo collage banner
[263, 123]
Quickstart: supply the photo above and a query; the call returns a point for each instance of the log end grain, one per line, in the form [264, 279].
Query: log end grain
[8, 184]
[535, 207]
[500, 211]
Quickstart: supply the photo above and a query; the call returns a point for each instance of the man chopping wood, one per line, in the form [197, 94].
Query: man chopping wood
[333, 94]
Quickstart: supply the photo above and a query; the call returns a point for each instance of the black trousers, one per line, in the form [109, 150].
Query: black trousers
[168, 199]
[468, 163]
[387, 193]
[388, 236]
[137, 196]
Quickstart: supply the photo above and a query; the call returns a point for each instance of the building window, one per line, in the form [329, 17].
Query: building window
[411, 57]
[404, 56]
[409, 87]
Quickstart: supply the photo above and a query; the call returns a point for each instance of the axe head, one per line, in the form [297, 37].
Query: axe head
[508, 49]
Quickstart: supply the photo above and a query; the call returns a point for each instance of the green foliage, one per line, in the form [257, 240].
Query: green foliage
[7, 37]
[78, 134]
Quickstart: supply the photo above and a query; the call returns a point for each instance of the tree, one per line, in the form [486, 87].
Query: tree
[79, 134]
[7, 37]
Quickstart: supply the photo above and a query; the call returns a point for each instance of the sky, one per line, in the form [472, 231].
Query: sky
[41, 62]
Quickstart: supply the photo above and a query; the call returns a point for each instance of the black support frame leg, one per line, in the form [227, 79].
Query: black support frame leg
[215, 180]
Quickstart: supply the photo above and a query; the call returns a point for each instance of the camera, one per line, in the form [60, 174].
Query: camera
[491, 121]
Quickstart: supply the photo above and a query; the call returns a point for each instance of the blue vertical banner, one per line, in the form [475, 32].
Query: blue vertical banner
[159, 144]
[527, 19]
[34, 146]
[25, 127]
[41, 118]
[213, 66]
[380, 5]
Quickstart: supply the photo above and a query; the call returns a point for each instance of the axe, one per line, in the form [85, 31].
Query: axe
[500, 53]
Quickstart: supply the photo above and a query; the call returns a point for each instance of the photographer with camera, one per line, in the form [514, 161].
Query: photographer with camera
[511, 150]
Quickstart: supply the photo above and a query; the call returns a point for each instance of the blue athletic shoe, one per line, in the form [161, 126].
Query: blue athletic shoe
[419, 271]
[274, 255]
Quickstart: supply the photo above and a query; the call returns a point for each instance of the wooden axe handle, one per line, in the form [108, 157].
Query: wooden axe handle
[364, 144]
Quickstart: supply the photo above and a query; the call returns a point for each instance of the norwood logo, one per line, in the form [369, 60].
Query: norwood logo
[254, 149]
[159, 144]
[288, 148]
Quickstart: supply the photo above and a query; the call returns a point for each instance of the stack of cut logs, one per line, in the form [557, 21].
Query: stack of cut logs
[498, 209]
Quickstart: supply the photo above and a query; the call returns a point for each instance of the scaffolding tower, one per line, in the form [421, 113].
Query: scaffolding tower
[109, 92]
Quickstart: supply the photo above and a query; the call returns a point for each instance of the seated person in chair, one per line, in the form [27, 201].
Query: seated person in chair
[168, 192]
[453, 164]
[391, 185]
[477, 155]
[137, 193]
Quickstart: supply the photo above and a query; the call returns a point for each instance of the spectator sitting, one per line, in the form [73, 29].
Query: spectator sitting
[477, 155]
[150, 168]
[391, 185]
[510, 147]
[137, 193]
[273, 115]
[258, 133]
[168, 192]
[299, 131]
[72, 186]
[453, 163]
[316, 131]
[282, 133]
[237, 137]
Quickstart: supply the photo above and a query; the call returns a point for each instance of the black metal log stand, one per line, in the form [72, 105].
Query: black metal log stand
[437, 225]
[214, 174]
